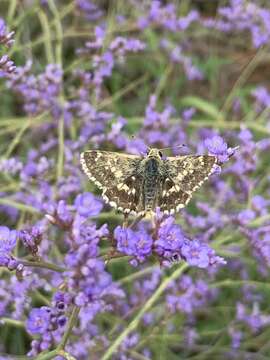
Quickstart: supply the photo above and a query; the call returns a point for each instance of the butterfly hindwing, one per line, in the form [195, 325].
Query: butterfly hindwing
[185, 174]
[115, 174]
[172, 198]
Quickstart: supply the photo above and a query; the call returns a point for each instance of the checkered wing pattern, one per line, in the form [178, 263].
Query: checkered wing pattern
[184, 175]
[116, 175]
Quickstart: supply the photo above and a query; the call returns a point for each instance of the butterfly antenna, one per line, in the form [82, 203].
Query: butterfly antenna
[173, 147]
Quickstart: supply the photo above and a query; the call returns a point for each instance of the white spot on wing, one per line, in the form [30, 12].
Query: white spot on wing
[113, 204]
[88, 172]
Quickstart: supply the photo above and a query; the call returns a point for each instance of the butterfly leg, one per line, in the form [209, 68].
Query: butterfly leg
[125, 222]
[136, 221]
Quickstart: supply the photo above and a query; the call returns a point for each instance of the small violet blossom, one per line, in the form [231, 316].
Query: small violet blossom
[218, 147]
[8, 240]
[87, 205]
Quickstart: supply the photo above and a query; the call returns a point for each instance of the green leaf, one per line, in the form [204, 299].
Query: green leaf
[204, 106]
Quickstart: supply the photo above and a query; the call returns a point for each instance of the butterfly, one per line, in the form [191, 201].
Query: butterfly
[136, 184]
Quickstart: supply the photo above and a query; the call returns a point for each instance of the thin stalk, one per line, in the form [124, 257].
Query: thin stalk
[43, 265]
[149, 303]
[47, 36]
[72, 320]
[19, 206]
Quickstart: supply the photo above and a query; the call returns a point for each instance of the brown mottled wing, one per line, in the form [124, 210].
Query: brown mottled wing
[184, 175]
[116, 175]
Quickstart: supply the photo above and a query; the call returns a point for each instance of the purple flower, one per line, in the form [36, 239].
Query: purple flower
[260, 204]
[11, 166]
[236, 337]
[184, 22]
[191, 336]
[170, 239]
[137, 244]
[246, 216]
[255, 319]
[31, 238]
[155, 118]
[201, 255]
[87, 205]
[177, 56]
[195, 254]
[87, 280]
[116, 135]
[262, 96]
[121, 45]
[38, 93]
[5, 37]
[7, 66]
[244, 16]
[89, 9]
[63, 214]
[61, 301]
[187, 295]
[188, 113]
[218, 147]
[130, 341]
[38, 321]
[7, 239]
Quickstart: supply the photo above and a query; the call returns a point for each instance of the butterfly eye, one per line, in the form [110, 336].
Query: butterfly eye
[160, 154]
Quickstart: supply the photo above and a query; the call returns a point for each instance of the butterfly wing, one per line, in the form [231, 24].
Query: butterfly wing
[184, 175]
[116, 174]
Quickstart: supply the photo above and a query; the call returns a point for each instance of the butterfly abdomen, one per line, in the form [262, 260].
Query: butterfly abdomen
[151, 184]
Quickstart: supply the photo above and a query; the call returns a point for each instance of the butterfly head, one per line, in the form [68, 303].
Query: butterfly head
[154, 153]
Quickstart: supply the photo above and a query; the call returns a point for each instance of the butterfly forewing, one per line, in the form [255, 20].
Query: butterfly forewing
[115, 174]
[185, 174]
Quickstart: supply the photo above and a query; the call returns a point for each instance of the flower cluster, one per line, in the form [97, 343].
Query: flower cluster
[170, 244]
[187, 295]
[79, 279]
[7, 66]
[6, 37]
[8, 240]
[244, 16]
[39, 93]
[48, 322]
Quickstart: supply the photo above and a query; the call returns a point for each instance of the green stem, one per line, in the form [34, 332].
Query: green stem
[42, 264]
[59, 351]
[66, 355]
[72, 320]
[48, 355]
[199, 123]
[136, 275]
[260, 220]
[52, 354]
[61, 148]
[134, 323]
[19, 206]
[238, 283]
[58, 56]
[11, 11]
[251, 66]
[17, 139]
[11, 322]
[47, 36]
[59, 32]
